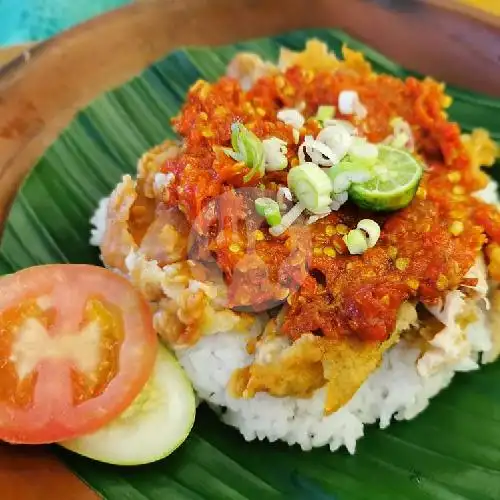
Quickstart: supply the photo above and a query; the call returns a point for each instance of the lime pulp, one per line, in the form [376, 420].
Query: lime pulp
[395, 181]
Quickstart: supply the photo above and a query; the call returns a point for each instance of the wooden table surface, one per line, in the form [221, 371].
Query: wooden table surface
[439, 37]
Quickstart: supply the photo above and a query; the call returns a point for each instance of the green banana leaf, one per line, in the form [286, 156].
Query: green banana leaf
[451, 451]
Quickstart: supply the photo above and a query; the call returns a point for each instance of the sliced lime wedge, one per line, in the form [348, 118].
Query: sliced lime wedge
[396, 176]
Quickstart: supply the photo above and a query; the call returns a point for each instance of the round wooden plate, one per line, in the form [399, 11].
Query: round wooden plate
[41, 91]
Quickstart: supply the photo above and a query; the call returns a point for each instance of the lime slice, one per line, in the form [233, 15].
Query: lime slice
[396, 176]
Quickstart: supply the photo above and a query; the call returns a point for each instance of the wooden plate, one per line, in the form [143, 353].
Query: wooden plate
[40, 93]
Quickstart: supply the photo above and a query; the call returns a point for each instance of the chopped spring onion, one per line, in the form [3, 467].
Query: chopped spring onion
[319, 153]
[325, 113]
[248, 148]
[291, 117]
[356, 167]
[345, 123]
[283, 194]
[262, 205]
[269, 209]
[372, 230]
[311, 186]
[349, 104]
[315, 218]
[288, 219]
[361, 149]
[402, 136]
[356, 242]
[338, 200]
[399, 141]
[296, 136]
[345, 174]
[275, 151]
[338, 138]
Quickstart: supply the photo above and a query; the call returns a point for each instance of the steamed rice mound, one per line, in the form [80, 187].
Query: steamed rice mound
[273, 377]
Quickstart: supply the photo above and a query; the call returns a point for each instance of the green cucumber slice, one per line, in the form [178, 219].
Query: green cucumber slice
[157, 422]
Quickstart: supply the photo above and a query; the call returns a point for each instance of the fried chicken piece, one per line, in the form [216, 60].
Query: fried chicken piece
[133, 223]
[347, 364]
[312, 362]
[482, 150]
[118, 241]
[298, 372]
[247, 68]
[166, 239]
[314, 57]
[150, 164]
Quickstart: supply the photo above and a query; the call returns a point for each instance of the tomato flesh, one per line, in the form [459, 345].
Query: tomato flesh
[87, 387]
[76, 347]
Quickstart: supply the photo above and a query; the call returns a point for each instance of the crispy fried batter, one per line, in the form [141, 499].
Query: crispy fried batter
[151, 162]
[133, 222]
[315, 57]
[482, 149]
[166, 239]
[312, 362]
[347, 364]
[247, 68]
[298, 372]
[185, 309]
[118, 240]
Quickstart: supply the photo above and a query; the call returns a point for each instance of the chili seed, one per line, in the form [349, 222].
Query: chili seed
[329, 251]
[457, 228]
[442, 282]
[402, 263]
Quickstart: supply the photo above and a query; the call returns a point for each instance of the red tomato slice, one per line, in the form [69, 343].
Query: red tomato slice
[76, 347]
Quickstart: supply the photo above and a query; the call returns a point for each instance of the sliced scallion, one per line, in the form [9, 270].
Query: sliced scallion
[325, 113]
[338, 138]
[283, 194]
[311, 186]
[343, 175]
[338, 199]
[268, 208]
[275, 151]
[291, 117]
[362, 150]
[248, 148]
[288, 219]
[349, 104]
[372, 230]
[356, 242]
[318, 152]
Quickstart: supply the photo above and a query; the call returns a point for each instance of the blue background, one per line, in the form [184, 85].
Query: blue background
[34, 20]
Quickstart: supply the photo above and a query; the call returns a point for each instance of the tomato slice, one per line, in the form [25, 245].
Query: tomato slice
[76, 347]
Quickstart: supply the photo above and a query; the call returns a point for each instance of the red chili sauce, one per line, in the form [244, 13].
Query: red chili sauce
[424, 250]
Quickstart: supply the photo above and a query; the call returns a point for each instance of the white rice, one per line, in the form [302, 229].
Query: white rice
[98, 223]
[394, 391]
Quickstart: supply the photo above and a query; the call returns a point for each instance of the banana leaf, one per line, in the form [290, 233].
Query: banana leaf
[450, 452]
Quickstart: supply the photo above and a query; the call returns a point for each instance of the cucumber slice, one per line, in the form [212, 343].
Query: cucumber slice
[157, 422]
